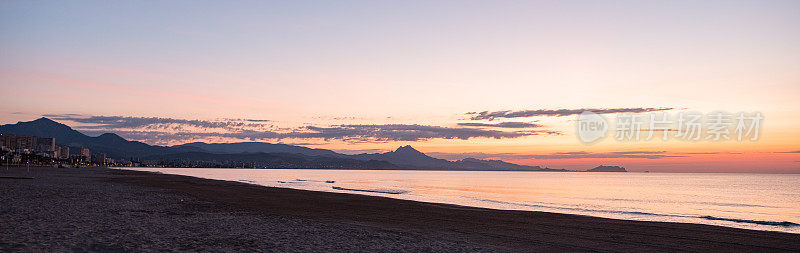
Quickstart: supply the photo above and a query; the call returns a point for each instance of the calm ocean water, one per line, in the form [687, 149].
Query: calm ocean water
[752, 201]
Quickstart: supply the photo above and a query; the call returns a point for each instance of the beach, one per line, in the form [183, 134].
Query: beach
[101, 209]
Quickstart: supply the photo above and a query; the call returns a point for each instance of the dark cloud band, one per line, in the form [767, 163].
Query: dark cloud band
[404, 132]
[168, 130]
[114, 122]
[487, 115]
[502, 125]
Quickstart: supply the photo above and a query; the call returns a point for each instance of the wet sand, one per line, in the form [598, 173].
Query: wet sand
[99, 209]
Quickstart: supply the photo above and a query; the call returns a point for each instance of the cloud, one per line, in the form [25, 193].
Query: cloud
[115, 122]
[790, 152]
[486, 115]
[404, 132]
[502, 125]
[170, 131]
[477, 155]
[250, 120]
[348, 133]
[173, 138]
[557, 155]
[360, 151]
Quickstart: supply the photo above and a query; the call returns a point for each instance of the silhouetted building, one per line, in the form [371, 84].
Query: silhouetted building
[62, 152]
[99, 158]
[46, 145]
[27, 143]
[87, 155]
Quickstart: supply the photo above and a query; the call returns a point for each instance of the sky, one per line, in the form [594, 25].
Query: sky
[369, 76]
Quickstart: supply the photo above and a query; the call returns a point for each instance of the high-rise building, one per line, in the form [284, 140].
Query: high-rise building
[99, 158]
[30, 143]
[87, 155]
[46, 144]
[26, 142]
[63, 152]
[14, 142]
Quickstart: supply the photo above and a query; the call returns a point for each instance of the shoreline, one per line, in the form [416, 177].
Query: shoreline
[359, 192]
[444, 225]
[776, 225]
[449, 170]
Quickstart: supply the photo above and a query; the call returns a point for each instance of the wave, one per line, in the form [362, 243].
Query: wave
[387, 191]
[318, 181]
[759, 222]
[576, 208]
[734, 204]
[705, 217]
[690, 202]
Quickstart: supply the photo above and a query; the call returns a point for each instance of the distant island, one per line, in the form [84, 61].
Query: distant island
[117, 151]
[603, 168]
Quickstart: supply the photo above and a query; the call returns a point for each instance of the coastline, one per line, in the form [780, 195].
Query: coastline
[350, 221]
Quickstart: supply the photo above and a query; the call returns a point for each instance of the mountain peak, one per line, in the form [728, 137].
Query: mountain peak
[43, 120]
[42, 127]
[111, 136]
[407, 149]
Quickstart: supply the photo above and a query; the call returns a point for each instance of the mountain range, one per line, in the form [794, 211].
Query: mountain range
[249, 154]
[255, 147]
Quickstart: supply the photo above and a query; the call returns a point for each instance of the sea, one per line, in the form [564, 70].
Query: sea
[750, 201]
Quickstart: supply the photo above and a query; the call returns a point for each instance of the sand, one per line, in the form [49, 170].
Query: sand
[100, 209]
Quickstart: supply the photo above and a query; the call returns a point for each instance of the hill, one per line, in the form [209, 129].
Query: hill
[603, 168]
[407, 156]
[257, 147]
[262, 160]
